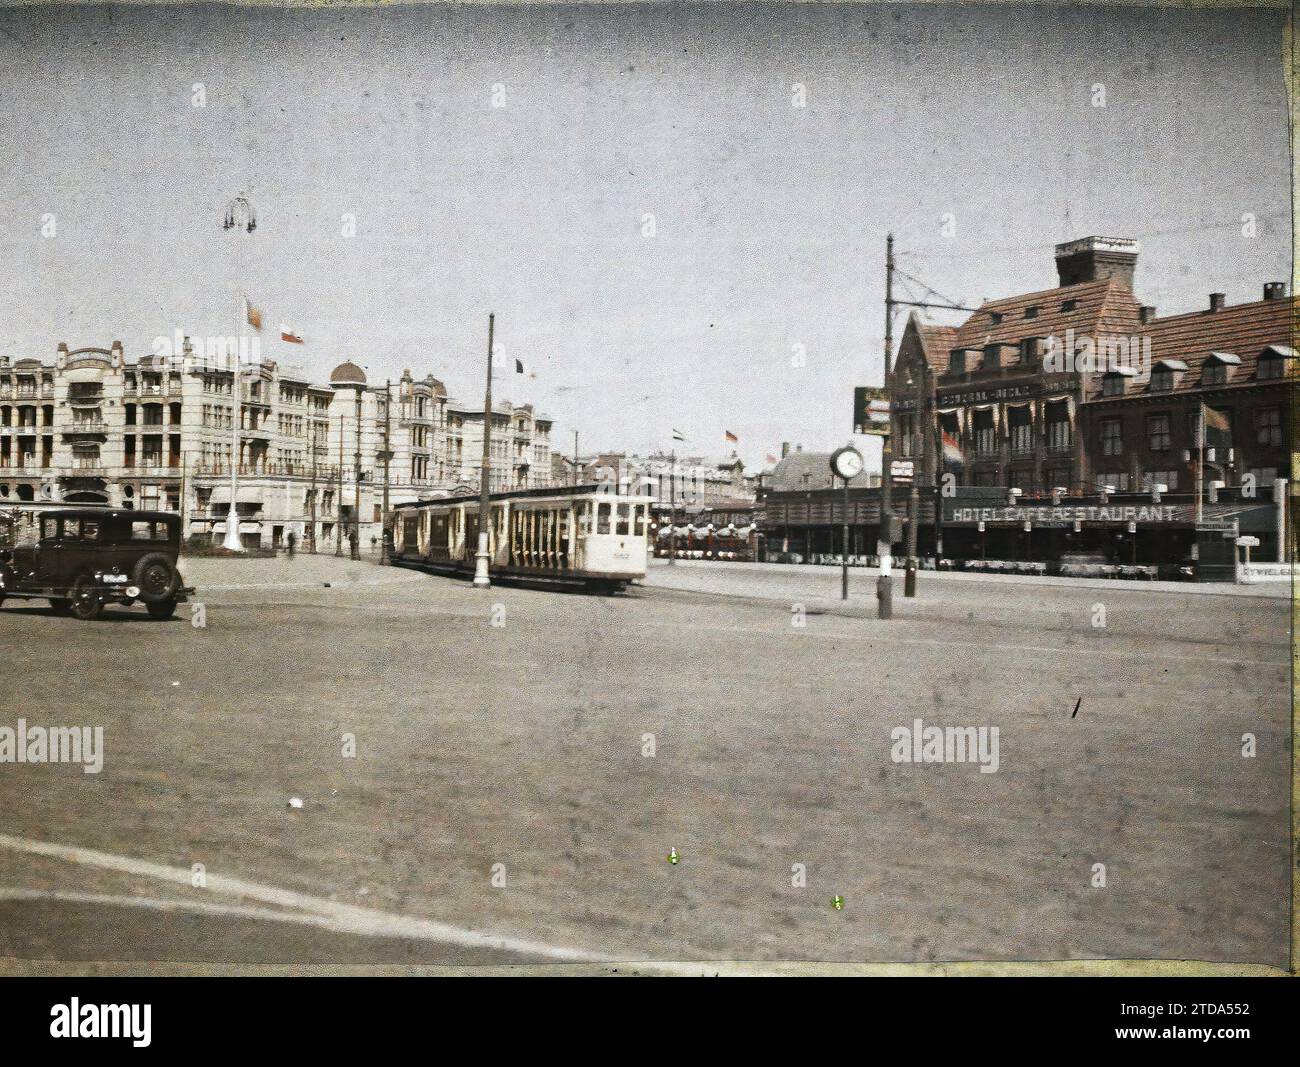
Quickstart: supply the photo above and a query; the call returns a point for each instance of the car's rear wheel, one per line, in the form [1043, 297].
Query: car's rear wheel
[156, 578]
[161, 609]
[61, 605]
[86, 602]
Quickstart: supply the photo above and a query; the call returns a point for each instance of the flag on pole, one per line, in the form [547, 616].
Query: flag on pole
[678, 435]
[731, 437]
[252, 314]
[290, 335]
[951, 449]
[1215, 419]
[523, 368]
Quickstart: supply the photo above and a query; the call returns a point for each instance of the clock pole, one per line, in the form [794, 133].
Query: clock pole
[847, 463]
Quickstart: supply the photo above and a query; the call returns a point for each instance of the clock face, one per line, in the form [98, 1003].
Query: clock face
[848, 463]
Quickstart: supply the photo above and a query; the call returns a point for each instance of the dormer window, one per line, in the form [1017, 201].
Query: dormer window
[1069, 305]
[1115, 383]
[1031, 312]
[1163, 375]
[995, 317]
[1218, 368]
[957, 361]
[1030, 347]
[1272, 362]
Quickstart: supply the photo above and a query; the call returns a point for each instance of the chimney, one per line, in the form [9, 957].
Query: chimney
[1095, 259]
[1216, 302]
[1147, 313]
[1274, 290]
[785, 449]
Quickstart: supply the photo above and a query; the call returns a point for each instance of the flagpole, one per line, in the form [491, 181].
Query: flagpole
[481, 578]
[1200, 463]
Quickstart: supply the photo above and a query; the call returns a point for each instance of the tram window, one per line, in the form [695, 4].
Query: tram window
[624, 514]
[602, 518]
[639, 530]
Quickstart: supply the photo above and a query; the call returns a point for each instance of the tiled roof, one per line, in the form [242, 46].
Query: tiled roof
[938, 343]
[1094, 308]
[788, 475]
[1244, 330]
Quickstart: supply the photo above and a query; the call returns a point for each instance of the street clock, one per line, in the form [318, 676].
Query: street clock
[847, 462]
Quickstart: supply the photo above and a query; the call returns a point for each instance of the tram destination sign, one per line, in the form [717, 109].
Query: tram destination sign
[871, 411]
[1068, 514]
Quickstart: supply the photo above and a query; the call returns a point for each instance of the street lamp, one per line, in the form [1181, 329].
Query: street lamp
[239, 215]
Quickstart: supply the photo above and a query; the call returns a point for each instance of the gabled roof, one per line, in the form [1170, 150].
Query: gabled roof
[1100, 307]
[1245, 330]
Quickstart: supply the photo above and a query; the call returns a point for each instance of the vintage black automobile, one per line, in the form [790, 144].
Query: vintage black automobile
[80, 559]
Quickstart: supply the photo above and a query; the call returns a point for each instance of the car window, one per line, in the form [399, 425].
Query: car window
[90, 529]
[146, 531]
[49, 529]
[71, 529]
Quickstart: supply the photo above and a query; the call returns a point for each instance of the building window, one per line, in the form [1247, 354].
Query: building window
[1022, 430]
[1116, 480]
[1031, 312]
[985, 434]
[1113, 385]
[1020, 479]
[957, 364]
[995, 317]
[1112, 441]
[1058, 426]
[1169, 479]
[1069, 305]
[1162, 380]
[1271, 366]
[1268, 426]
[1158, 433]
[1214, 373]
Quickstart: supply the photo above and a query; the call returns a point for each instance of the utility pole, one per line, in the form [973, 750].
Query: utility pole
[672, 510]
[315, 446]
[239, 216]
[356, 484]
[338, 500]
[575, 457]
[387, 456]
[481, 578]
[884, 539]
[914, 495]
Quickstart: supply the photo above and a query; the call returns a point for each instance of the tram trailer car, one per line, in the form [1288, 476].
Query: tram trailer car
[577, 536]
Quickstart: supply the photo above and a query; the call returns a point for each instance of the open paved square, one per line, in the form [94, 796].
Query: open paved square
[502, 805]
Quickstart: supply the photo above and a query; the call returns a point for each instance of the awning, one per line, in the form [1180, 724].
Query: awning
[245, 495]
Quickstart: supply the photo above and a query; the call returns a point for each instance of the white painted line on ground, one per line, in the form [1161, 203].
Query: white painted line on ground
[326, 914]
[343, 917]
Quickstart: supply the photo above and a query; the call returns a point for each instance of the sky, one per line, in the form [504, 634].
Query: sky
[754, 306]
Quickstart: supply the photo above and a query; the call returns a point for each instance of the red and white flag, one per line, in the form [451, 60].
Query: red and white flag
[731, 437]
[290, 335]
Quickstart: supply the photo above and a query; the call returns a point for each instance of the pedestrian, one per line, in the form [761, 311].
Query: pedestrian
[293, 542]
[353, 540]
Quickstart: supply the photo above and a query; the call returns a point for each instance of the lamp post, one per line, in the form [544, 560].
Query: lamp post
[239, 215]
[355, 542]
[386, 457]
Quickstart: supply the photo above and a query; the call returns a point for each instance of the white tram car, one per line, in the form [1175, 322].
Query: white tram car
[573, 536]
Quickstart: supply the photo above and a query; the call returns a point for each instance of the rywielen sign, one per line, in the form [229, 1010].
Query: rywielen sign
[1068, 514]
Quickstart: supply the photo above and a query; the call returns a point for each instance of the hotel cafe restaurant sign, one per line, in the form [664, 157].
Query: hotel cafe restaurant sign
[959, 514]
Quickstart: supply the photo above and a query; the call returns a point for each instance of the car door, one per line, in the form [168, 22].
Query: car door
[48, 562]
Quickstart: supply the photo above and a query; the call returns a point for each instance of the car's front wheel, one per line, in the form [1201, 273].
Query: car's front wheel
[86, 602]
[161, 609]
